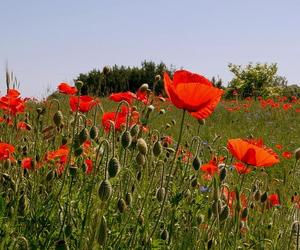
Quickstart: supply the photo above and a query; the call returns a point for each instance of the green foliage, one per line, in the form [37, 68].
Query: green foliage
[121, 78]
[256, 80]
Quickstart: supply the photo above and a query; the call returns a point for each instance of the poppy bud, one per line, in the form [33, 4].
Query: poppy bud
[126, 139]
[173, 121]
[164, 234]
[139, 175]
[194, 183]
[157, 78]
[257, 195]
[200, 219]
[141, 219]
[23, 205]
[157, 148]
[57, 118]
[224, 213]
[61, 245]
[196, 163]
[264, 197]
[160, 194]
[142, 146]
[244, 213]
[78, 151]
[201, 121]
[162, 111]
[297, 154]
[113, 167]
[128, 199]
[105, 190]
[216, 207]
[73, 170]
[7, 164]
[64, 140]
[122, 205]
[83, 136]
[78, 84]
[140, 159]
[50, 175]
[150, 108]
[209, 213]
[134, 130]
[94, 132]
[102, 232]
[210, 244]
[106, 70]
[168, 125]
[222, 174]
[144, 87]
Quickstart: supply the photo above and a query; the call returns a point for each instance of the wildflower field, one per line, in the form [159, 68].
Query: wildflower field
[188, 170]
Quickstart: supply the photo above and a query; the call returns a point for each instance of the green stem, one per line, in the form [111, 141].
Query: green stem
[169, 179]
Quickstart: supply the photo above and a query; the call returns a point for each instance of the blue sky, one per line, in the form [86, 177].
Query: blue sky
[46, 42]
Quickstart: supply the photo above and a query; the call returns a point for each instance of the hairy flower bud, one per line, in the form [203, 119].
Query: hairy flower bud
[142, 146]
[157, 148]
[122, 205]
[196, 163]
[94, 131]
[113, 167]
[126, 139]
[102, 232]
[105, 190]
[57, 118]
[160, 194]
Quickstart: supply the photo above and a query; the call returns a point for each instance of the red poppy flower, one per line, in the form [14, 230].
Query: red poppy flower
[120, 119]
[273, 200]
[287, 106]
[67, 89]
[11, 103]
[252, 152]
[23, 126]
[86, 103]
[193, 93]
[211, 168]
[27, 163]
[88, 165]
[122, 96]
[278, 146]
[230, 198]
[241, 168]
[60, 156]
[142, 96]
[6, 150]
[287, 155]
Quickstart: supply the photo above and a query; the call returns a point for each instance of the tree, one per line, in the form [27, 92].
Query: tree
[255, 79]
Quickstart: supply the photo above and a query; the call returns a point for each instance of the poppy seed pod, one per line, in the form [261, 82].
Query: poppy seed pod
[224, 213]
[57, 118]
[94, 131]
[160, 194]
[83, 136]
[140, 159]
[157, 148]
[196, 163]
[122, 205]
[297, 154]
[102, 232]
[126, 139]
[105, 190]
[113, 167]
[142, 146]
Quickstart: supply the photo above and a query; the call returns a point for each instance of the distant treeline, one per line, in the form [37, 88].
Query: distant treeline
[120, 78]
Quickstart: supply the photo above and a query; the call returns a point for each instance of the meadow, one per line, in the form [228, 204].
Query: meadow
[134, 171]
